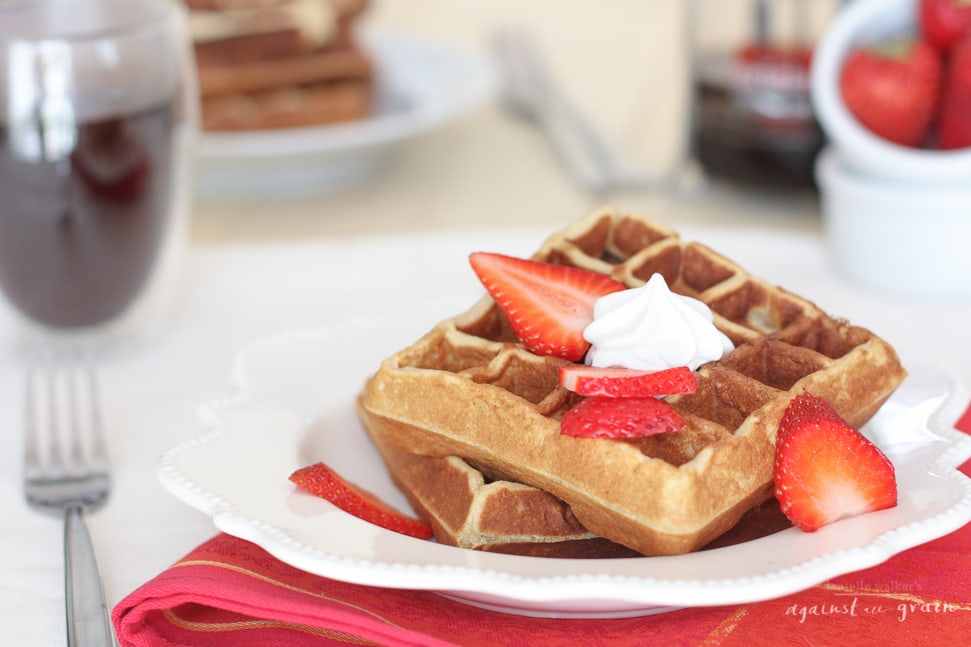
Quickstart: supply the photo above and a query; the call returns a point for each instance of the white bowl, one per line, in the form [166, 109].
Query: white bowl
[864, 22]
[906, 239]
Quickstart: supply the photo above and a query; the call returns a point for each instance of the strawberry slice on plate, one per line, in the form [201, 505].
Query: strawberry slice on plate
[547, 305]
[320, 480]
[825, 470]
[603, 417]
[627, 382]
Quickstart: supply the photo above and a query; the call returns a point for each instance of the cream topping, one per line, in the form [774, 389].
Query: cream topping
[652, 328]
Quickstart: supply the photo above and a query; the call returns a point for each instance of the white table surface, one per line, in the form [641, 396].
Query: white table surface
[255, 268]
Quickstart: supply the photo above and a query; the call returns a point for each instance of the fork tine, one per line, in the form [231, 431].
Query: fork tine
[98, 448]
[55, 417]
[32, 462]
[45, 448]
[74, 444]
[61, 419]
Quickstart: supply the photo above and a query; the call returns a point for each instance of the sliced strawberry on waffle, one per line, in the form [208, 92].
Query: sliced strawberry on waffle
[548, 306]
[627, 382]
[825, 470]
[322, 481]
[603, 417]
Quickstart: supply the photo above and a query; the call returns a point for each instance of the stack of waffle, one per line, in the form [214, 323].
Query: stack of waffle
[279, 63]
[467, 420]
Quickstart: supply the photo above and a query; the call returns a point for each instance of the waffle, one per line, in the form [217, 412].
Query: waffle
[269, 64]
[466, 510]
[469, 389]
[288, 107]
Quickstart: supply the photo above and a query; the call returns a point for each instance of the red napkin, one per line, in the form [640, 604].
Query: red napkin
[230, 592]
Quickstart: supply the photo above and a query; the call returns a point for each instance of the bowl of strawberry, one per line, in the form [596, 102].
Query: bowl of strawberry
[891, 87]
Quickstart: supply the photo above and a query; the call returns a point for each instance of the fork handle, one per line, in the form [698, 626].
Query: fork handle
[88, 623]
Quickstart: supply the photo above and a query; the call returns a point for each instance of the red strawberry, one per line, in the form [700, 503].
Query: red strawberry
[548, 306]
[893, 90]
[322, 481]
[600, 417]
[955, 124]
[944, 22]
[626, 382]
[825, 470]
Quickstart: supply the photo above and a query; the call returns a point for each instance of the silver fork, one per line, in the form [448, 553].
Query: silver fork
[66, 474]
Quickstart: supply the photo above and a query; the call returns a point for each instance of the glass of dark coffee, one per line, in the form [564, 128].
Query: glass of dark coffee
[97, 109]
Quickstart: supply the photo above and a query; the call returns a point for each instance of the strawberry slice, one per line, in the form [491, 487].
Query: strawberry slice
[322, 481]
[601, 417]
[627, 382]
[825, 470]
[548, 306]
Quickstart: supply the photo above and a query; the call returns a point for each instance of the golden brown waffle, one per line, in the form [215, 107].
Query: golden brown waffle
[273, 73]
[288, 107]
[318, 67]
[469, 389]
[466, 510]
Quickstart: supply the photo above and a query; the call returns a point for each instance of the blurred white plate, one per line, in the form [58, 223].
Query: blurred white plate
[421, 85]
[294, 405]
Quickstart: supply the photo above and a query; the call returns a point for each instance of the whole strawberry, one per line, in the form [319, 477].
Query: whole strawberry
[955, 122]
[893, 89]
[944, 22]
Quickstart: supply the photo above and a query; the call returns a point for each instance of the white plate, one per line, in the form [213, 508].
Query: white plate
[421, 86]
[294, 405]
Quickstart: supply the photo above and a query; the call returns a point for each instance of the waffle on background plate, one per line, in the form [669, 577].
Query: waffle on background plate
[266, 64]
[469, 401]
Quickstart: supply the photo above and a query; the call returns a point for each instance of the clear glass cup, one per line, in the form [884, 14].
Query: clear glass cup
[98, 106]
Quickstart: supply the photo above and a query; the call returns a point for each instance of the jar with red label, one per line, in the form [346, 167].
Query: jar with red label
[753, 121]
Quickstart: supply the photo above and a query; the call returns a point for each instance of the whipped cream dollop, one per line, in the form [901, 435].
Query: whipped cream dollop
[651, 328]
